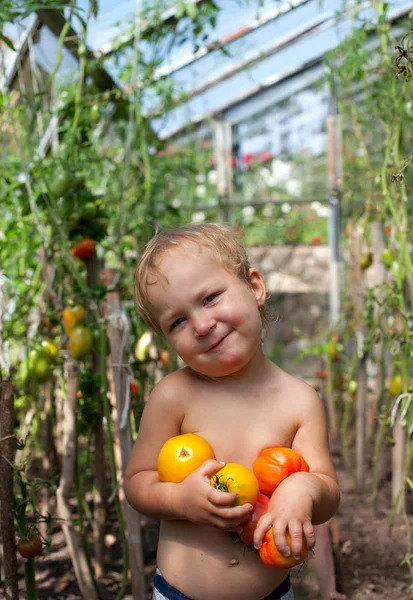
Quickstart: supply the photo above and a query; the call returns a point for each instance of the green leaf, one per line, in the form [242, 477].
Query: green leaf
[8, 42]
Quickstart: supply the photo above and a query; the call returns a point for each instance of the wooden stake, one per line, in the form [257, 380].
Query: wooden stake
[64, 491]
[117, 332]
[7, 448]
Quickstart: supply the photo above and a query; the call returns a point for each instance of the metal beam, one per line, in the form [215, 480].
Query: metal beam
[256, 89]
[315, 26]
[272, 81]
[215, 45]
[124, 40]
[20, 55]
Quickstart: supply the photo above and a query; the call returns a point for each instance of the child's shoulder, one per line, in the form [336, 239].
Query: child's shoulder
[175, 388]
[302, 392]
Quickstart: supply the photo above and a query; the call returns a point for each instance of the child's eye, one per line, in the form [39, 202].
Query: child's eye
[177, 322]
[211, 298]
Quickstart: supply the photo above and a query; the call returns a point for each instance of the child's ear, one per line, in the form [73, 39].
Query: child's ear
[258, 286]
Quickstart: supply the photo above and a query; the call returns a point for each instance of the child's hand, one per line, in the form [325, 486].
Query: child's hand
[198, 501]
[290, 508]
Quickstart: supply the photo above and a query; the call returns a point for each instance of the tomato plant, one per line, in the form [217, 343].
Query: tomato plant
[182, 454]
[80, 342]
[237, 478]
[271, 556]
[31, 547]
[273, 465]
[248, 528]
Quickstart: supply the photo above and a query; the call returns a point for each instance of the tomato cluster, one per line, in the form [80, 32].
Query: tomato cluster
[182, 454]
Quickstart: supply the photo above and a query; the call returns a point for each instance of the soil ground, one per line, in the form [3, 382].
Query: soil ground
[367, 556]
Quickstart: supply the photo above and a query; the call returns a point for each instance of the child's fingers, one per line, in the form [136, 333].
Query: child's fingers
[309, 534]
[296, 532]
[209, 468]
[278, 531]
[263, 525]
[222, 498]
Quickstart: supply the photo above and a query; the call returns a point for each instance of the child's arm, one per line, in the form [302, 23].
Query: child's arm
[303, 499]
[194, 499]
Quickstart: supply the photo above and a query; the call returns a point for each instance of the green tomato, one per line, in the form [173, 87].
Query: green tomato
[88, 211]
[95, 113]
[80, 342]
[39, 365]
[50, 349]
[352, 386]
[387, 257]
[61, 185]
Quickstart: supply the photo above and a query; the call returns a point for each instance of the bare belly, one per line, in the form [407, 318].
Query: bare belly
[204, 563]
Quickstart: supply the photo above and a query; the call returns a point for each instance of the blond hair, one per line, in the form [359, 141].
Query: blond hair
[217, 238]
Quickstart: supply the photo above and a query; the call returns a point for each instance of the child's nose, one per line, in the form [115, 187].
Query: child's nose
[203, 323]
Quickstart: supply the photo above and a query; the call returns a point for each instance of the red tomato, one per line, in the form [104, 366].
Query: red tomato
[84, 249]
[260, 508]
[273, 465]
[271, 556]
[30, 548]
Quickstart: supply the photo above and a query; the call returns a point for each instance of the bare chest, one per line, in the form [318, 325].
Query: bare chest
[238, 428]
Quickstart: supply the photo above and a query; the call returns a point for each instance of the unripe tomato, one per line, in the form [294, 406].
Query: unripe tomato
[396, 384]
[182, 454]
[95, 113]
[30, 548]
[273, 465]
[387, 257]
[237, 478]
[50, 349]
[332, 350]
[88, 211]
[39, 366]
[365, 260]
[248, 528]
[61, 185]
[352, 386]
[271, 556]
[84, 249]
[80, 342]
[73, 315]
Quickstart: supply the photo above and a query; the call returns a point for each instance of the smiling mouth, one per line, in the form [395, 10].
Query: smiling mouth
[218, 342]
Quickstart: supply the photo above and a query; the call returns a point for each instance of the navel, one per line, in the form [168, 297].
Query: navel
[233, 562]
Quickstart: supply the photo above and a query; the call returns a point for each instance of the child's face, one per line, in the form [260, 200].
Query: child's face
[209, 316]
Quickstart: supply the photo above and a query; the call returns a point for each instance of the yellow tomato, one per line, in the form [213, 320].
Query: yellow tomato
[237, 478]
[72, 315]
[182, 454]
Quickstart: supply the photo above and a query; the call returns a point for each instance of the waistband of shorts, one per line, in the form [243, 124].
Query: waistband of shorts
[172, 593]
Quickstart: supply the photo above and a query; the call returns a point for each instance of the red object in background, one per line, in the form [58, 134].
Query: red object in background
[234, 161]
[84, 249]
[387, 229]
[316, 240]
[133, 389]
[248, 158]
[265, 156]
[212, 161]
